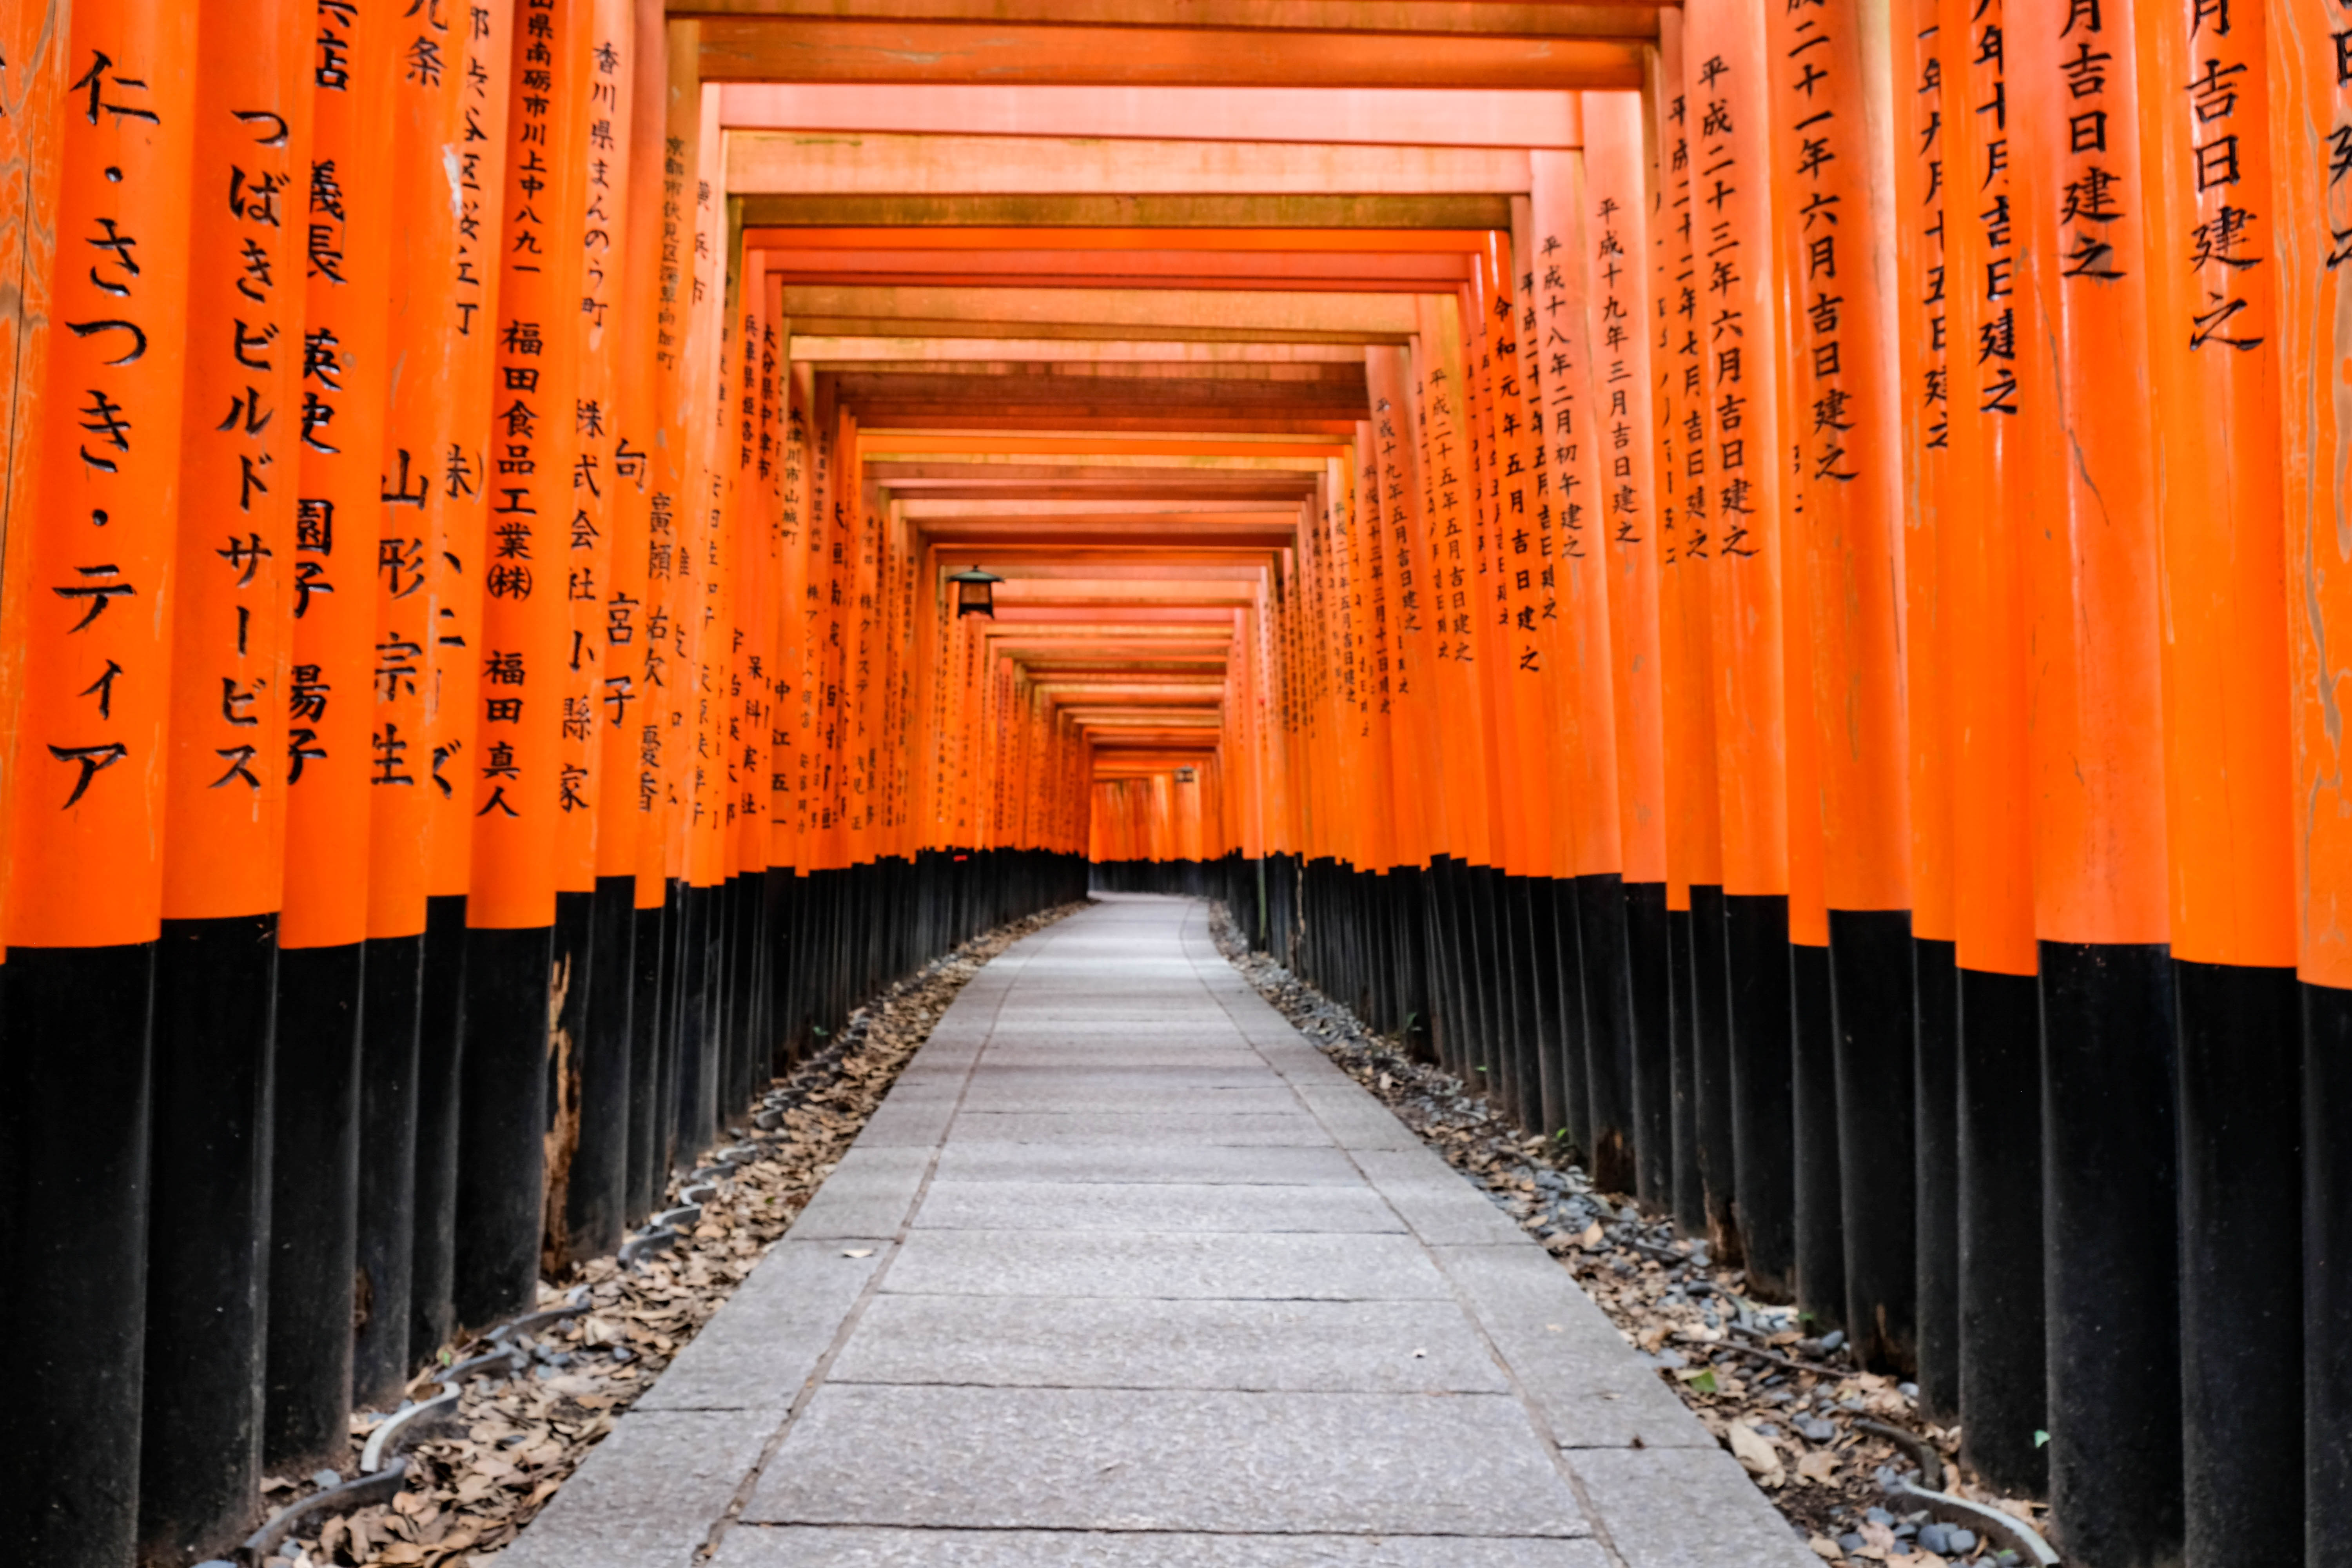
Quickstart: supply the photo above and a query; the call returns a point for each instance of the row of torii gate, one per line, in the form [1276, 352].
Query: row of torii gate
[1765, 578]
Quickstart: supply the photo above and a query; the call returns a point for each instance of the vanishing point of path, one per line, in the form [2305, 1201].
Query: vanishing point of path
[1124, 1274]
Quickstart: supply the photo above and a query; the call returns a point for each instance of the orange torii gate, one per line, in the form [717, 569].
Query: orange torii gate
[1754, 581]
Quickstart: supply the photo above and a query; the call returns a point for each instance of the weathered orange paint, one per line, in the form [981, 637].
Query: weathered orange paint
[2310, 101]
[1618, 234]
[32, 40]
[224, 790]
[88, 806]
[2092, 557]
[534, 450]
[1981, 587]
[1724, 69]
[2212, 340]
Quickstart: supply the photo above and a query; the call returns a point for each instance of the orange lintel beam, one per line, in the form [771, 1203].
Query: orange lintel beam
[1545, 18]
[1131, 424]
[1359, 241]
[902, 443]
[1412, 117]
[829, 50]
[1017, 388]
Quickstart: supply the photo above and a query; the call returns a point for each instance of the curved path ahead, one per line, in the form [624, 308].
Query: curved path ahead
[1124, 1272]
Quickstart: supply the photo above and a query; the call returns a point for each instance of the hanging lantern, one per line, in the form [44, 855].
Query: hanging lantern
[975, 591]
[1183, 775]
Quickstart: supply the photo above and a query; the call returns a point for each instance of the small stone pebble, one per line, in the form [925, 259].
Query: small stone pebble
[1814, 1429]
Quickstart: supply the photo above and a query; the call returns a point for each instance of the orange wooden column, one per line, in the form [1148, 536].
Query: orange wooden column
[1555, 511]
[2206, 131]
[1929, 68]
[1738, 212]
[1579, 451]
[32, 94]
[2097, 751]
[223, 819]
[588, 1163]
[1982, 607]
[87, 805]
[1481, 646]
[454, 571]
[628, 790]
[1401, 538]
[407, 1038]
[534, 450]
[1694, 831]
[1850, 474]
[1619, 302]
[339, 409]
[2310, 118]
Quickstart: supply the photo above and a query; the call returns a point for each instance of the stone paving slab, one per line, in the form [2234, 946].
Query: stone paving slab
[758, 1353]
[1327, 1347]
[1687, 1507]
[647, 1495]
[977, 1162]
[1150, 1283]
[1217, 1460]
[870, 1193]
[1295, 1266]
[1191, 1128]
[769, 1546]
[1092, 1099]
[1165, 1208]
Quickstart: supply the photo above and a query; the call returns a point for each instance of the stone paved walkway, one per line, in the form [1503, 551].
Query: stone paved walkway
[1124, 1272]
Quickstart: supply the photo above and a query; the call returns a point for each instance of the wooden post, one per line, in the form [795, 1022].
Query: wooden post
[2311, 117]
[1983, 604]
[2097, 748]
[1836, 145]
[223, 826]
[88, 808]
[518, 763]
[455, 580]
[1740, 220]
[2206, 133]
[1685, 674]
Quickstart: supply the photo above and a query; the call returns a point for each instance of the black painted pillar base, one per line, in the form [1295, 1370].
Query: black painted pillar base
[1575, 1025]
[502, 1122]
[2327, 1274]
[74, 1096]
[597, 1196]
[1870, 1008]
[200, 1462]
[2004, 1372]
[1608, 1051]
[1648, 1030]
[1681, 1022]
[1935, 1070]
[2112, 1252]
[2242, 1263]
[1711, 1006]
[1764, 1150]
[386, 1244]
[1820, 1203]
[571, 977]
[1539, 1042]
[698, 1033]
[313, 1207]
[440, 1048]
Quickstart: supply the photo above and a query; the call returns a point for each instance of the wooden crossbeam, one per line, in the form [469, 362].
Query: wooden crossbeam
[877, 49]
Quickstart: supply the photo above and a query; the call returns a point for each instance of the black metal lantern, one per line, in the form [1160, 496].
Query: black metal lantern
[1183, 775]
[975, 591]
